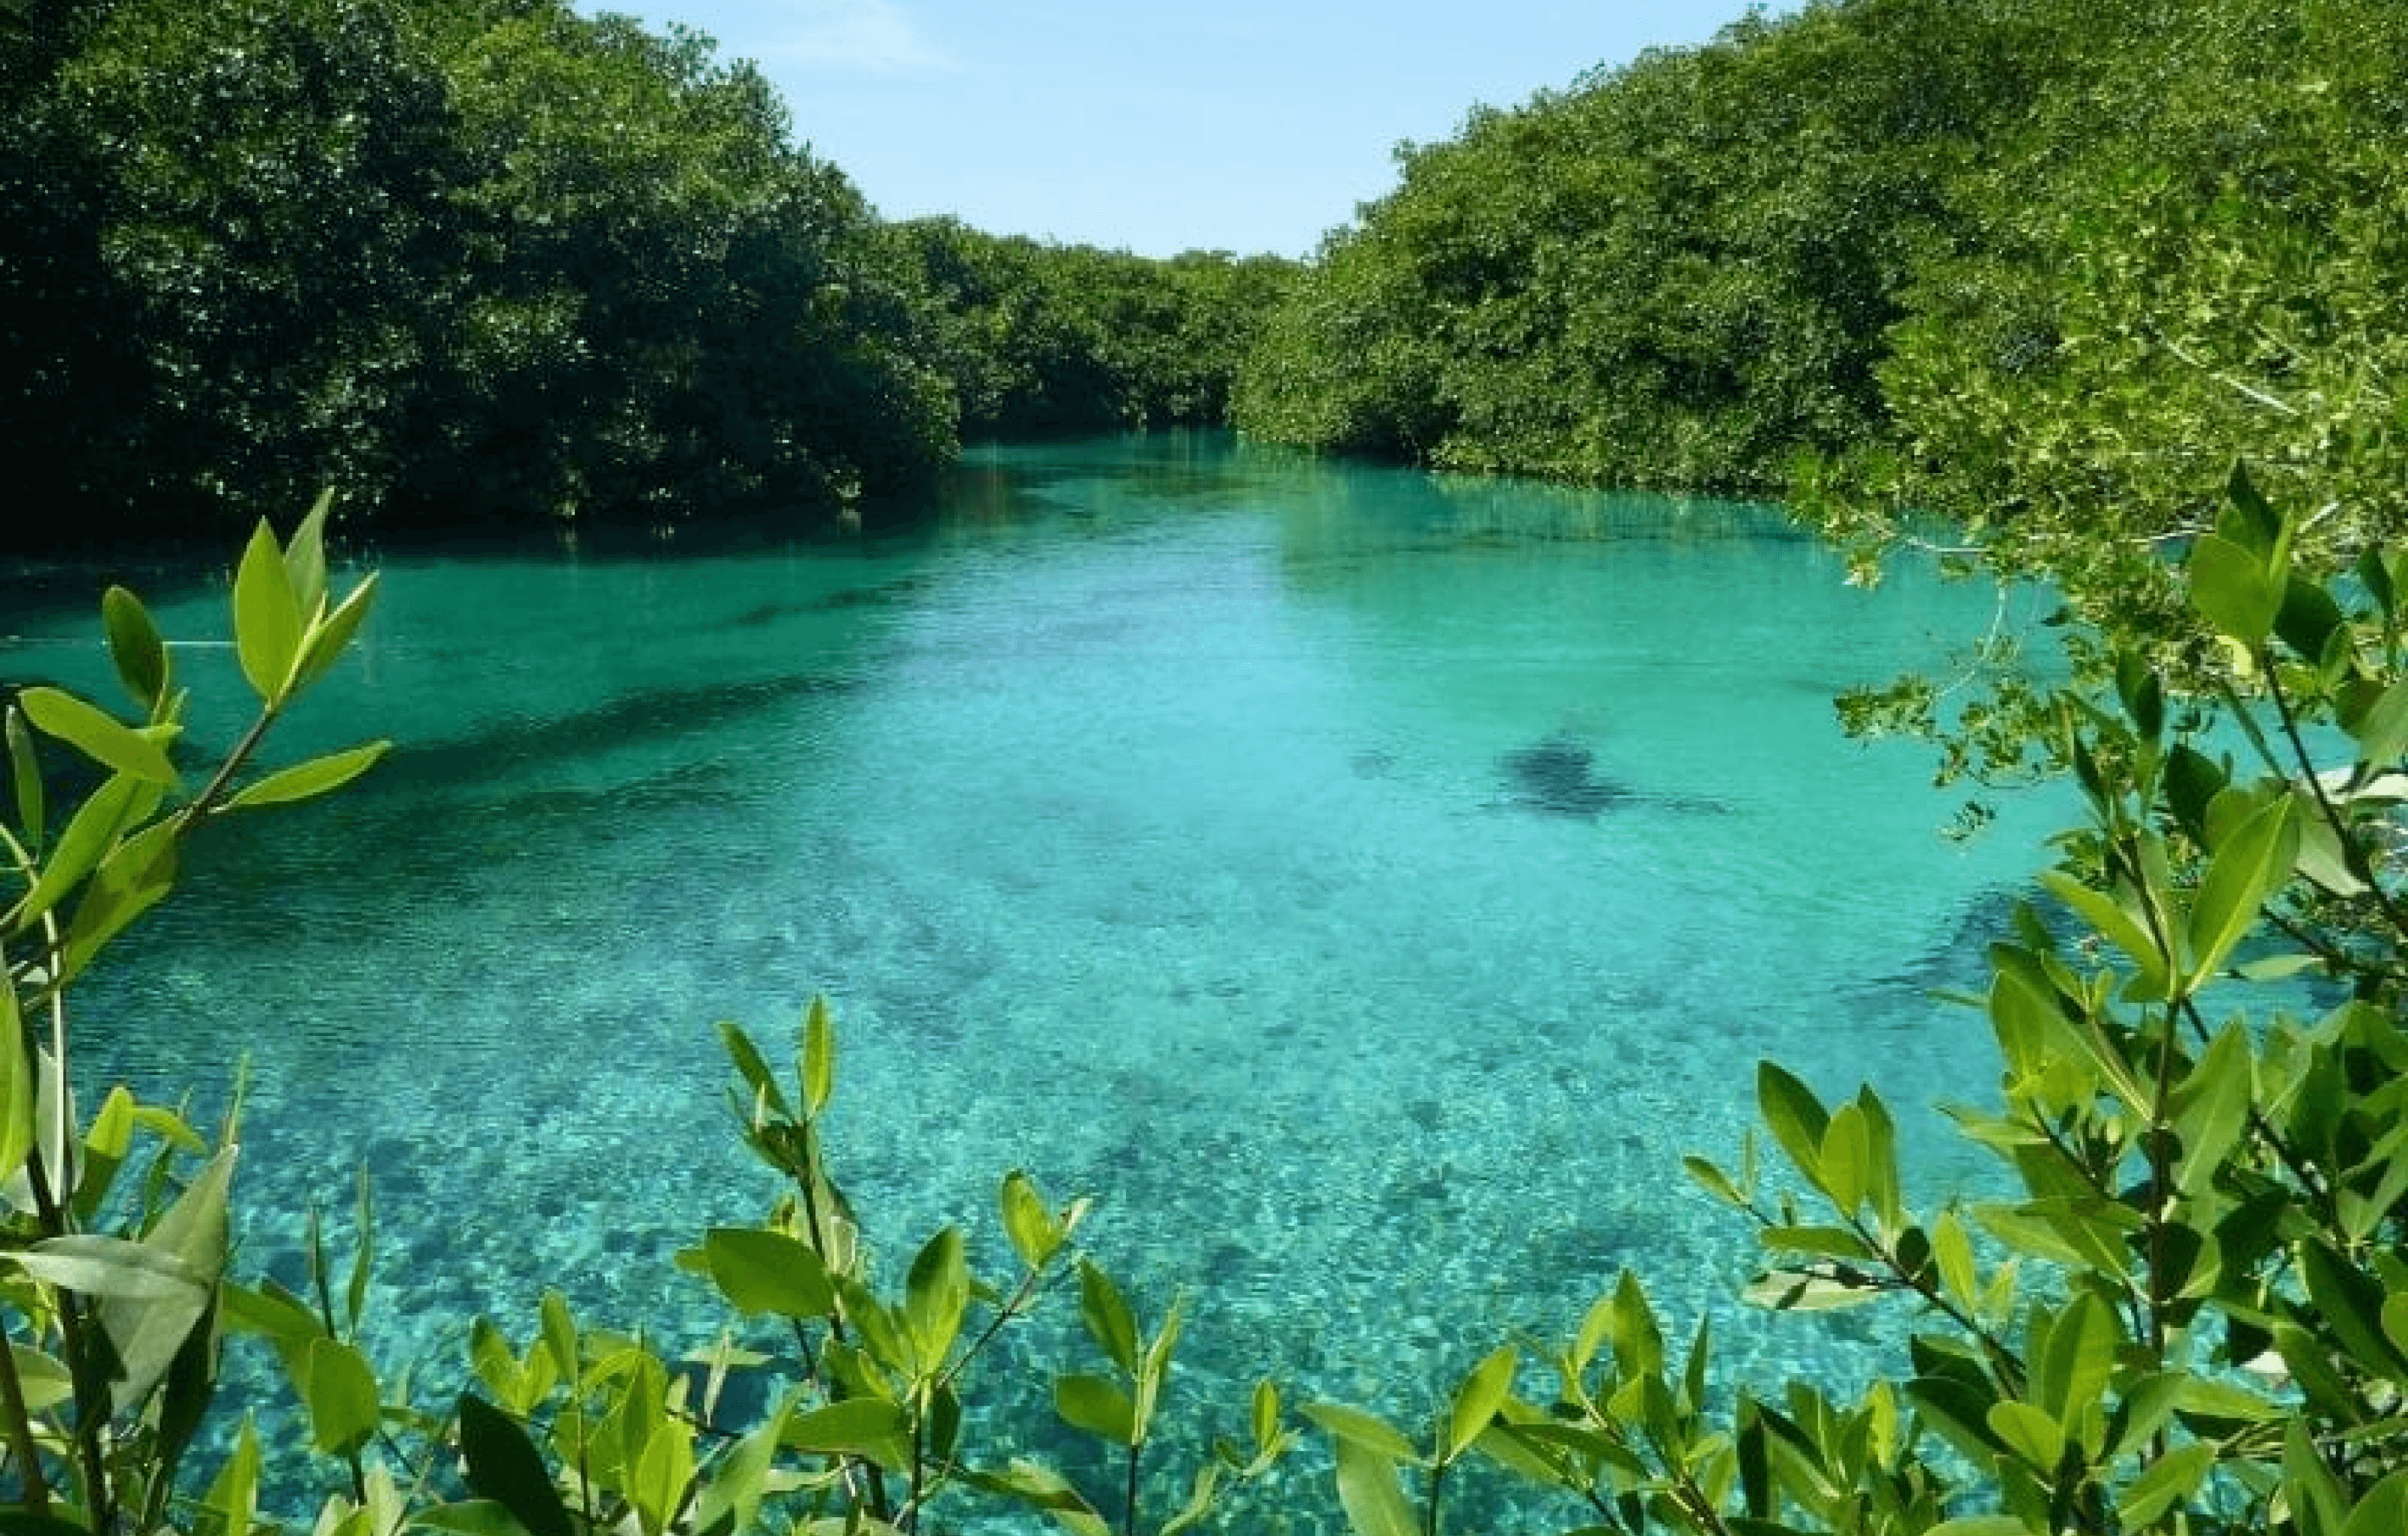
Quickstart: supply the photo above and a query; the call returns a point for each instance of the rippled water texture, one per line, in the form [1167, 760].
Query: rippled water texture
[1367, 884]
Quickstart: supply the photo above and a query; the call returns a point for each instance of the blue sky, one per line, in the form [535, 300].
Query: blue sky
[1228, 124]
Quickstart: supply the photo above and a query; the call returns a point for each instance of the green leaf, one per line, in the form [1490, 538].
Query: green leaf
[1368, 1489]
[2073, 1370]
[355, 1292]
[760, 1270]
[20, 1085]
[268, 621]
[1036, 1235]
[1097, 1406]
[1265, 1417]
[2248, 864]
[751, 1068]
[1952, 1249]
[117, 804]
[1106, 1316]
[2171, 1480]
[2029, 1433]
[504, 1466]
[818, 1068]
[147, 1333]
[935, 1297]
[2384, 1510]
[1793, 1116]
[96, 1264]
[1711, 1179]
[306, 781]
[2212, 1107]
[1846, 1159]
[560, 1334]
[136, 875]
[1352, 1425]
[730, 1501]
[1477, 1401]
[662, 1472]
[2118, 926]
[233, 1494]
[326, 641]
[135, 646]
[2351, 1303]
[101, 737]
[25, 771]
[305, 557]
[2233, 589]
[869, 1427]
[341, 1393]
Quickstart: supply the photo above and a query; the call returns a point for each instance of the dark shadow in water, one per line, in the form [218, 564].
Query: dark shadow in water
[1558, 777]
[652, 715]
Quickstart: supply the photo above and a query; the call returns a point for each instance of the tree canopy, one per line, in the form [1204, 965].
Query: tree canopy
[492, 263]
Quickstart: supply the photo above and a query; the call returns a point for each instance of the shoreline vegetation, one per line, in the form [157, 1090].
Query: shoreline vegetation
[2037, 273]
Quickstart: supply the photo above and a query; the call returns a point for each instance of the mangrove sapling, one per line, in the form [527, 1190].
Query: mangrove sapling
[116, 1295]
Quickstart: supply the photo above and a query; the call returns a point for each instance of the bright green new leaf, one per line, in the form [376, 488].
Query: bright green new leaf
[1036, 1236]
[20, 1085]
[117, 804]
[101, 737]
[267, 619]
[341, 1393]
[1477, 1401]
[1265, 1417]
[135, 646]
[662, 1472]
[1368, 1489]
[233, 1494]
[309, 779]
[1844, 1161]
[935, 1295]
[1106, 1316]
[2028, 1432]
[2233, 589]
[326, 640]
[1952, 1250]
[1711, 1179]
[2247, 867]
[760, 1270]
[818, 1065]
[304, 557]
[560, 1334]
[1097, 1406]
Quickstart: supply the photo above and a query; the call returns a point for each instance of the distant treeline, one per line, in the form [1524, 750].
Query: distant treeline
[2044, 268]
[1989, 255]
[484, 261]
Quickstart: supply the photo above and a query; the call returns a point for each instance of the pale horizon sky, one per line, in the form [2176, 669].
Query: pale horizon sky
[1237, 125]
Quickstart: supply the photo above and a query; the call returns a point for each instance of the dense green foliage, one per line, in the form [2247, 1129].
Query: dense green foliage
[481, 262]
[2035, 268]
[1041, 338]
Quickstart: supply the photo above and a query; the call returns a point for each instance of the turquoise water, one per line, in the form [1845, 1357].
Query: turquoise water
[1367, 884]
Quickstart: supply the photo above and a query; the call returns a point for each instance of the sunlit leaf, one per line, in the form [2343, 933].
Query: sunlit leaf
[306, 781]
[1368, 1489]
[340, 1391]
[1098, 1406]
[267, 619]
[99, 736]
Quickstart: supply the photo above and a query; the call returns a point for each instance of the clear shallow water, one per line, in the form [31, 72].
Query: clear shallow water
[1198, 827]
